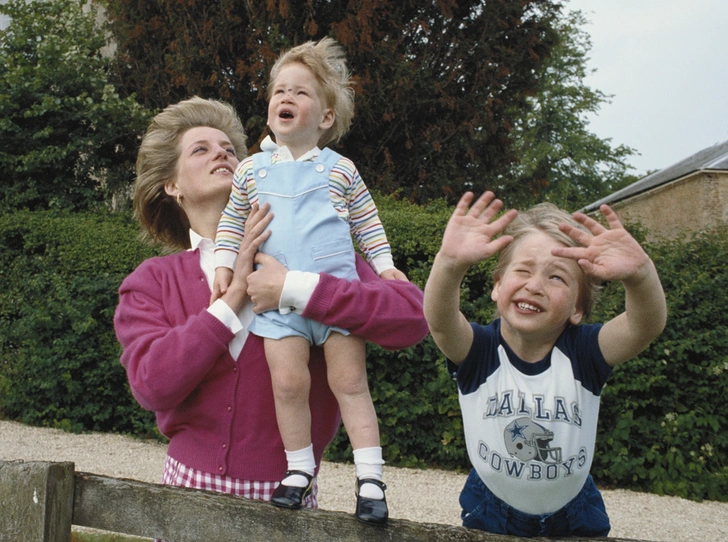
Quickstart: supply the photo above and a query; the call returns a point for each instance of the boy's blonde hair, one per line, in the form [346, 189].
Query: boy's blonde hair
[327, 61]
[163, 221]
[546, 217]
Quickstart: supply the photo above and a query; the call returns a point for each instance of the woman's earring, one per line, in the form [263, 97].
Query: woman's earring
[179, 200]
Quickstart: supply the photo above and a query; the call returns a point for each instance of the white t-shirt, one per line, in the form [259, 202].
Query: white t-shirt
[530, 428]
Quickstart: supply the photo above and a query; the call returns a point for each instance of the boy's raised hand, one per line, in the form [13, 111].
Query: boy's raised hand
[613, 254]
[470, 235]
[610, 253]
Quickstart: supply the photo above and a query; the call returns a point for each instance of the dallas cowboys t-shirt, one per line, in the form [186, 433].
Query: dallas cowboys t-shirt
[530, 428]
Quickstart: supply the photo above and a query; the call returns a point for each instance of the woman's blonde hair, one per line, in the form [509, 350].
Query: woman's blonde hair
[546, 217]
[327, 61]
[163, 221]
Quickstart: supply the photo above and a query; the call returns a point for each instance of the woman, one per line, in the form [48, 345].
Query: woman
[195, 365]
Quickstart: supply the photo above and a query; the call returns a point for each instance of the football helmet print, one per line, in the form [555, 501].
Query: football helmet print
[528, 440]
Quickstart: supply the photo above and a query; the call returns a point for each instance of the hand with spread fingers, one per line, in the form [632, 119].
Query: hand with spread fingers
[471, 233]
[471, 236]
[609, 253]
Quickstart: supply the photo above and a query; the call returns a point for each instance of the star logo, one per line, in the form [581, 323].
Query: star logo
[516, 431]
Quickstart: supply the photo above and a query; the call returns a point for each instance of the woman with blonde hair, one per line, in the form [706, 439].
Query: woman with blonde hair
[194, 364]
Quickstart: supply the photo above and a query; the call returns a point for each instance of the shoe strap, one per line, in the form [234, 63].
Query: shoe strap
[362, 481]
[308, 476]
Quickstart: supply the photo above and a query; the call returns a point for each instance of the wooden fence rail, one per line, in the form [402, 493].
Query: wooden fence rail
[39, 501]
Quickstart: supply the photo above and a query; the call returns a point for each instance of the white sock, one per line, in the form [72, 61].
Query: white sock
[302, 460]
[369, 463]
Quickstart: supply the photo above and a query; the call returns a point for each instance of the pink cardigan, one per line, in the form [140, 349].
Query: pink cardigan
[218, 413]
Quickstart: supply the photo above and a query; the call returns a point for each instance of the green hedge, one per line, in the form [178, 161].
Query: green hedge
[59, 276]
[415, 397]
[662, 426]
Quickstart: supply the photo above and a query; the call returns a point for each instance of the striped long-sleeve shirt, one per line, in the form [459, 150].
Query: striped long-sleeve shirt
[349, 196]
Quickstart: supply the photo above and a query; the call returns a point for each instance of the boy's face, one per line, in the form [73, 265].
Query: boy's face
[537, 294]
[296, 113]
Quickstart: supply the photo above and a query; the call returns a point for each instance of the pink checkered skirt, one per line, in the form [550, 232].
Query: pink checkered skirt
[178, 474]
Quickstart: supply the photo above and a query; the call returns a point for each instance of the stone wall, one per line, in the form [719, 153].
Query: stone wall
[678, 209]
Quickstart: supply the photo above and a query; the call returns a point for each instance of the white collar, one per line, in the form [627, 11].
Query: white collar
[196, 239]
[285, 155]
[207, 254]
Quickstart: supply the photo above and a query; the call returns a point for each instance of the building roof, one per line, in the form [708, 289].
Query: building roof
[712, 158]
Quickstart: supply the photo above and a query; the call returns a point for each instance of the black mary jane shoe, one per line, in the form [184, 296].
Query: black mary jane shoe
[372, 511]
[291, 496]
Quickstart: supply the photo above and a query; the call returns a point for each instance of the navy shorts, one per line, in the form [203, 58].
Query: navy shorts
[585, 515]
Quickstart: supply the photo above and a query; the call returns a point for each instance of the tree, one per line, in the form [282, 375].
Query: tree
[438, 82]
[560, 160]
[67, 140]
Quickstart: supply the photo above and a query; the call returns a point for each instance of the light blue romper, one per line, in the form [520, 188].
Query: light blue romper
[306, 234]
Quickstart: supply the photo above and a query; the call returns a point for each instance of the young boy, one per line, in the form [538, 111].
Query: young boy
[529, 383]
[319, 201]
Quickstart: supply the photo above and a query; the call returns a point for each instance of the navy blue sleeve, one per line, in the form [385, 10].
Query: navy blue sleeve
[481, 361]
[581, 344]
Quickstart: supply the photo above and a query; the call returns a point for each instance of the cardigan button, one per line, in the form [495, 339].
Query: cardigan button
[229, 409]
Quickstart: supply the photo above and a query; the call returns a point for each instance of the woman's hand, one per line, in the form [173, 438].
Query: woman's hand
[265, 284]
[255, 235]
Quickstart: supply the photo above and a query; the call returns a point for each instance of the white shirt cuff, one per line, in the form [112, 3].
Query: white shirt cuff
[297, 291]
[225, 258]
[222, 311]
[382, 263]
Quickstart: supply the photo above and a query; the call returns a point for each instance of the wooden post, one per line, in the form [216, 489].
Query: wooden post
[36, 501]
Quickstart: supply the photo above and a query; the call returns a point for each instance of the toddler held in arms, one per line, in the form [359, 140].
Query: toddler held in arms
[318, 201]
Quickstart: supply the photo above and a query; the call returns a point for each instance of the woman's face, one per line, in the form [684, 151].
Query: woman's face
[204, 169]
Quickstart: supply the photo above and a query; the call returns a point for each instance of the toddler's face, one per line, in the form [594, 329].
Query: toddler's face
[296, 113]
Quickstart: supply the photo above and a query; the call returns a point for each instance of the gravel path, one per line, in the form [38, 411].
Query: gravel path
[418, 495]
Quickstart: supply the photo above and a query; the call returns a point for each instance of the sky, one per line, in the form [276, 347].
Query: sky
[665, 64]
